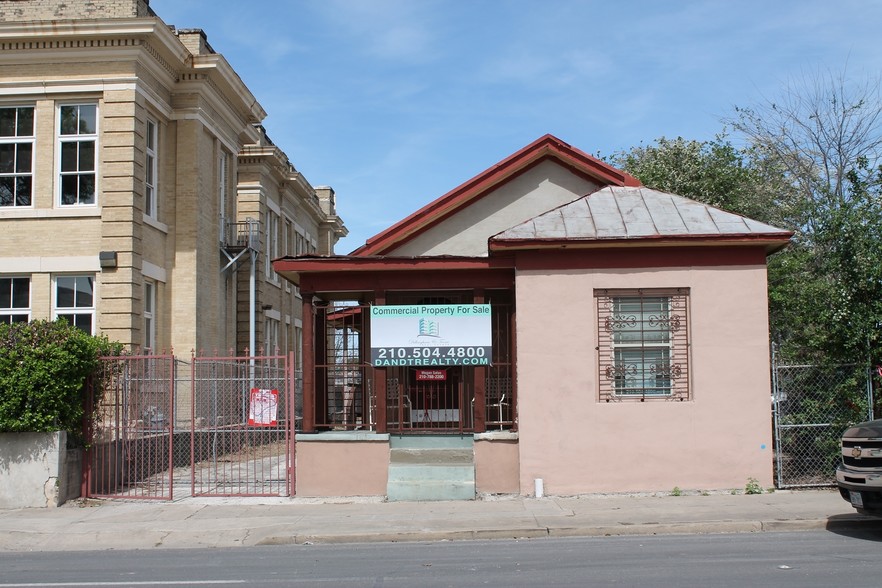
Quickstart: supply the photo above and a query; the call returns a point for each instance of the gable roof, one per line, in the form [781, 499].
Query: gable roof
[617, 214]
[546, 147]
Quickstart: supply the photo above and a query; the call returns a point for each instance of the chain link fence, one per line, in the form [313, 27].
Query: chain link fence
[812, 406]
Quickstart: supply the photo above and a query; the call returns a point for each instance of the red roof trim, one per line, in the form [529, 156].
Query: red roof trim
[545, 147]
[344, 263]
[772, 242]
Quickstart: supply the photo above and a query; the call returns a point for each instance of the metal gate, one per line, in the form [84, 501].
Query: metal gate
[162, 428]
[811, 407]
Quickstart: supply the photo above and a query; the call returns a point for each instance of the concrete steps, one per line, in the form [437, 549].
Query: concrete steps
[425, 467]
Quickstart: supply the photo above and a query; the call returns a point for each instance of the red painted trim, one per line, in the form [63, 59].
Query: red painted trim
[417, 279]
[772, 242]
[344, 263]
[546, 147]
[628, 258]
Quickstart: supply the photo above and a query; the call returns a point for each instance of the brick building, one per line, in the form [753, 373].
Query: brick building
[139, 195]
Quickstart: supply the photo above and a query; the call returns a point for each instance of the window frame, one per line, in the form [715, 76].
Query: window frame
[19, 140]
[79, 138]
[271, 327]
[8, 312]
[149, 311]
[151, 169]
[643, 344]
[76, 311]
[272, 245]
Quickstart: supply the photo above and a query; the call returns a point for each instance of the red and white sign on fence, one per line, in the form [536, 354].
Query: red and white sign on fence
[263, 410]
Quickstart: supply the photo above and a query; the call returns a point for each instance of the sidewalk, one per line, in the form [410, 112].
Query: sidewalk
[221, 522]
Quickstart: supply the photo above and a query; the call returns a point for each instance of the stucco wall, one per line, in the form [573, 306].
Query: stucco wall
[496, 466]
[716, 440]
[34, 470]
[341, 468]
[465, 233]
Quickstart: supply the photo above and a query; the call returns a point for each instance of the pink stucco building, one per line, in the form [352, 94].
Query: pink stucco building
[626, 350]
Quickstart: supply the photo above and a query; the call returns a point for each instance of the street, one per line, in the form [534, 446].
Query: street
[798, 559]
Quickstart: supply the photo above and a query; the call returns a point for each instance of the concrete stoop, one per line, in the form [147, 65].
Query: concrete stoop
[424, 467]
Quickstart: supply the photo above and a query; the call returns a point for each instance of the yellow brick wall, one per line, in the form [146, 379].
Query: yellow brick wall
[197, 305]
[25, 10]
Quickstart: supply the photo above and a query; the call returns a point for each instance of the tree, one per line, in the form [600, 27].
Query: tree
[811, 164]
[824, 134]
[714, 172]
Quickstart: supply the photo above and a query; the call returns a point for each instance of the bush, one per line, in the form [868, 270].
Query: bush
[43, 370]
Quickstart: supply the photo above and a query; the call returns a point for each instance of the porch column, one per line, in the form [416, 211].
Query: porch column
[480, 382]
[379, 374]
[308, 363]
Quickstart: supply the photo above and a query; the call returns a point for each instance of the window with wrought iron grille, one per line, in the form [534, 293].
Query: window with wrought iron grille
[643, 344]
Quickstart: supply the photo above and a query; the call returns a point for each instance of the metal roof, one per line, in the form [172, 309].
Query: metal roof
[617, 212]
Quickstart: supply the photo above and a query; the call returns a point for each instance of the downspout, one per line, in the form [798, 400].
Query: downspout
[252, 289]
[252, 319]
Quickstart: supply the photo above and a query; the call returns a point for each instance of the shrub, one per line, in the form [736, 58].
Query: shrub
[43, 370]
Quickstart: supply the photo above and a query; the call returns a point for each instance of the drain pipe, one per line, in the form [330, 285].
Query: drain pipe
[539, 485]
[252, 290]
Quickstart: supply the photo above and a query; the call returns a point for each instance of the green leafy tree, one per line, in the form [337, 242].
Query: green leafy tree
[824, 134]
[714, 172]
[811, 164]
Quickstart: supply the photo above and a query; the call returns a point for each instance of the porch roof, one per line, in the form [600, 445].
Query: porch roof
[622, 215]
[294, 268]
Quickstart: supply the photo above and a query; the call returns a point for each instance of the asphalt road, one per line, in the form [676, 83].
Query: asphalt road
[798, 559]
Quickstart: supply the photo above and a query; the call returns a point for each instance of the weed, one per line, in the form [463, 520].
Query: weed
[753, 487]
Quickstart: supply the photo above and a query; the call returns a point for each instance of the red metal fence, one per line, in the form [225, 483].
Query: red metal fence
[214, 426]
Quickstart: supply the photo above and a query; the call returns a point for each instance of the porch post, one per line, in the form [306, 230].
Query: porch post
[379, 374]
[480, 382]
[308, 363]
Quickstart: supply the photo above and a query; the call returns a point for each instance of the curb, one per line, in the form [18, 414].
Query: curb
[685, 528]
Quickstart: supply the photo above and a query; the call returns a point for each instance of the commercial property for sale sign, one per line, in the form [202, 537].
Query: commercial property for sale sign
[431, 335]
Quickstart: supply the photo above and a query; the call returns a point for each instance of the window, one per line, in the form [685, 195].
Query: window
[271, 337]
[272, 244]
[15, 300]
[149, 310]
[78, 138]
[16, 155]
[222, 194]
[151, 206]
[643, 344]
[75, 301]
[288, 241]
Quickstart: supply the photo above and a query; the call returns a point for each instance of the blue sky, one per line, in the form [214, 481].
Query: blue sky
[396, 102]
